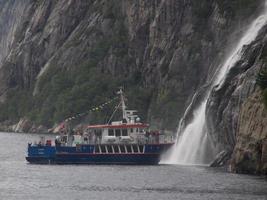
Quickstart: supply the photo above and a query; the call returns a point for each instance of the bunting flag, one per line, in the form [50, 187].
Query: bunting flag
[96, 108]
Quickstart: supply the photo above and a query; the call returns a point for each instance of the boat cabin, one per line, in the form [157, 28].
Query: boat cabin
[127, 131]
[118, 132]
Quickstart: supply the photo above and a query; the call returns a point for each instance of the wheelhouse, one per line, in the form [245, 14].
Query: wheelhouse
[118, 132]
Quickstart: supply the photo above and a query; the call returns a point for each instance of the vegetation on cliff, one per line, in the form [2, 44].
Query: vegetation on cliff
[66, 91]
[160, 51]
[262, 82]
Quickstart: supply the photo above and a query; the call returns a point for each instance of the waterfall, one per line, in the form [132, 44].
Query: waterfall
[191, 144]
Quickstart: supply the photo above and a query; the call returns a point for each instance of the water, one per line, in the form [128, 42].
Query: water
[191, 145]
[20, 180]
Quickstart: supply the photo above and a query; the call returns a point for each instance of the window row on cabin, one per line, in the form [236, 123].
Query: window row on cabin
[117, 132]
[122, 132]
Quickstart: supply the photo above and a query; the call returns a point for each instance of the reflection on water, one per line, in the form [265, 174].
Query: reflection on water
[20, 180]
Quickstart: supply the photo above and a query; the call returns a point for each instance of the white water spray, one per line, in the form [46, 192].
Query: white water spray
[191, 145]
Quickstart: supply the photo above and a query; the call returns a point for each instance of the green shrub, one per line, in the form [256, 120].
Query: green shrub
[261, 79]
[238, 7]
[265, 97]
[65, 92]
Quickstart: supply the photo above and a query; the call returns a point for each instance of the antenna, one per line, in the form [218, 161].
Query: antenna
[121, 104]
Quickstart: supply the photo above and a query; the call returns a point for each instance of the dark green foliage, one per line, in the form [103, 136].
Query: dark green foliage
[265, 97]
[237, 7]
[73, 92]
[139, 98]
[65, 92]
[111, 10]
[100, 50]
[18, 104]
[264, 54]
[248, 164]
[164, 106]
[261, 80]
[202, 9]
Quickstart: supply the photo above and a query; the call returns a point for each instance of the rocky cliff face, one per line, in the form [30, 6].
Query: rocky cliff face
[236, 112]
[55, 55]
[10, 15]
[250, 152]
[166, 49]
[225, 102]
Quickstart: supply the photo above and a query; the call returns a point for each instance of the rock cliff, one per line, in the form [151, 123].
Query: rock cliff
[236, 113]
[250, 152]
[166, 49]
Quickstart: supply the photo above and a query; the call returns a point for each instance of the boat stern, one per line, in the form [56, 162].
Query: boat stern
[40, 154]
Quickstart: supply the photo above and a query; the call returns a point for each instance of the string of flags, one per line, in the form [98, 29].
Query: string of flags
[100, 107]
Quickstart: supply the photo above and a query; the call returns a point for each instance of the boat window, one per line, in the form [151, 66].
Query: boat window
[141, 147]
[116, 149]
[122, 148]
[135, 149]
[98, 133]
[110, 132]
[118, 132]
[137, 130]
[97, 149]
[109, 149]
[124, 132]
[129, 149]
[103, 149]
[131, 130]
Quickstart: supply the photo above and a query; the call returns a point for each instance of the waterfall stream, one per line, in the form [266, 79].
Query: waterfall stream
[192, 141]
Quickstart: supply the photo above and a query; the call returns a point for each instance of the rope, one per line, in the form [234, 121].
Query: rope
[96, 108]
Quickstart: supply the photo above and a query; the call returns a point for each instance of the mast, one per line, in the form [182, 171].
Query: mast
[123, 106]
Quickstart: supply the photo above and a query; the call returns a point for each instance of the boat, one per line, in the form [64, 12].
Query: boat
[128, 141]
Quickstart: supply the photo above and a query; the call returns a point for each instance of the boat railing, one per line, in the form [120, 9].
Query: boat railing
[140, 139]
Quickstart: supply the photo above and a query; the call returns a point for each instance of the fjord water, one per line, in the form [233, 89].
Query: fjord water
[20, 180]
[191, 145]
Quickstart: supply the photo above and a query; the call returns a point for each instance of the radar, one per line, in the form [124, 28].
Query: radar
[138, 119]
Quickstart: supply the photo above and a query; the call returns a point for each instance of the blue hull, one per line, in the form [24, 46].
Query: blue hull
[144, 159]
[85, 154]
